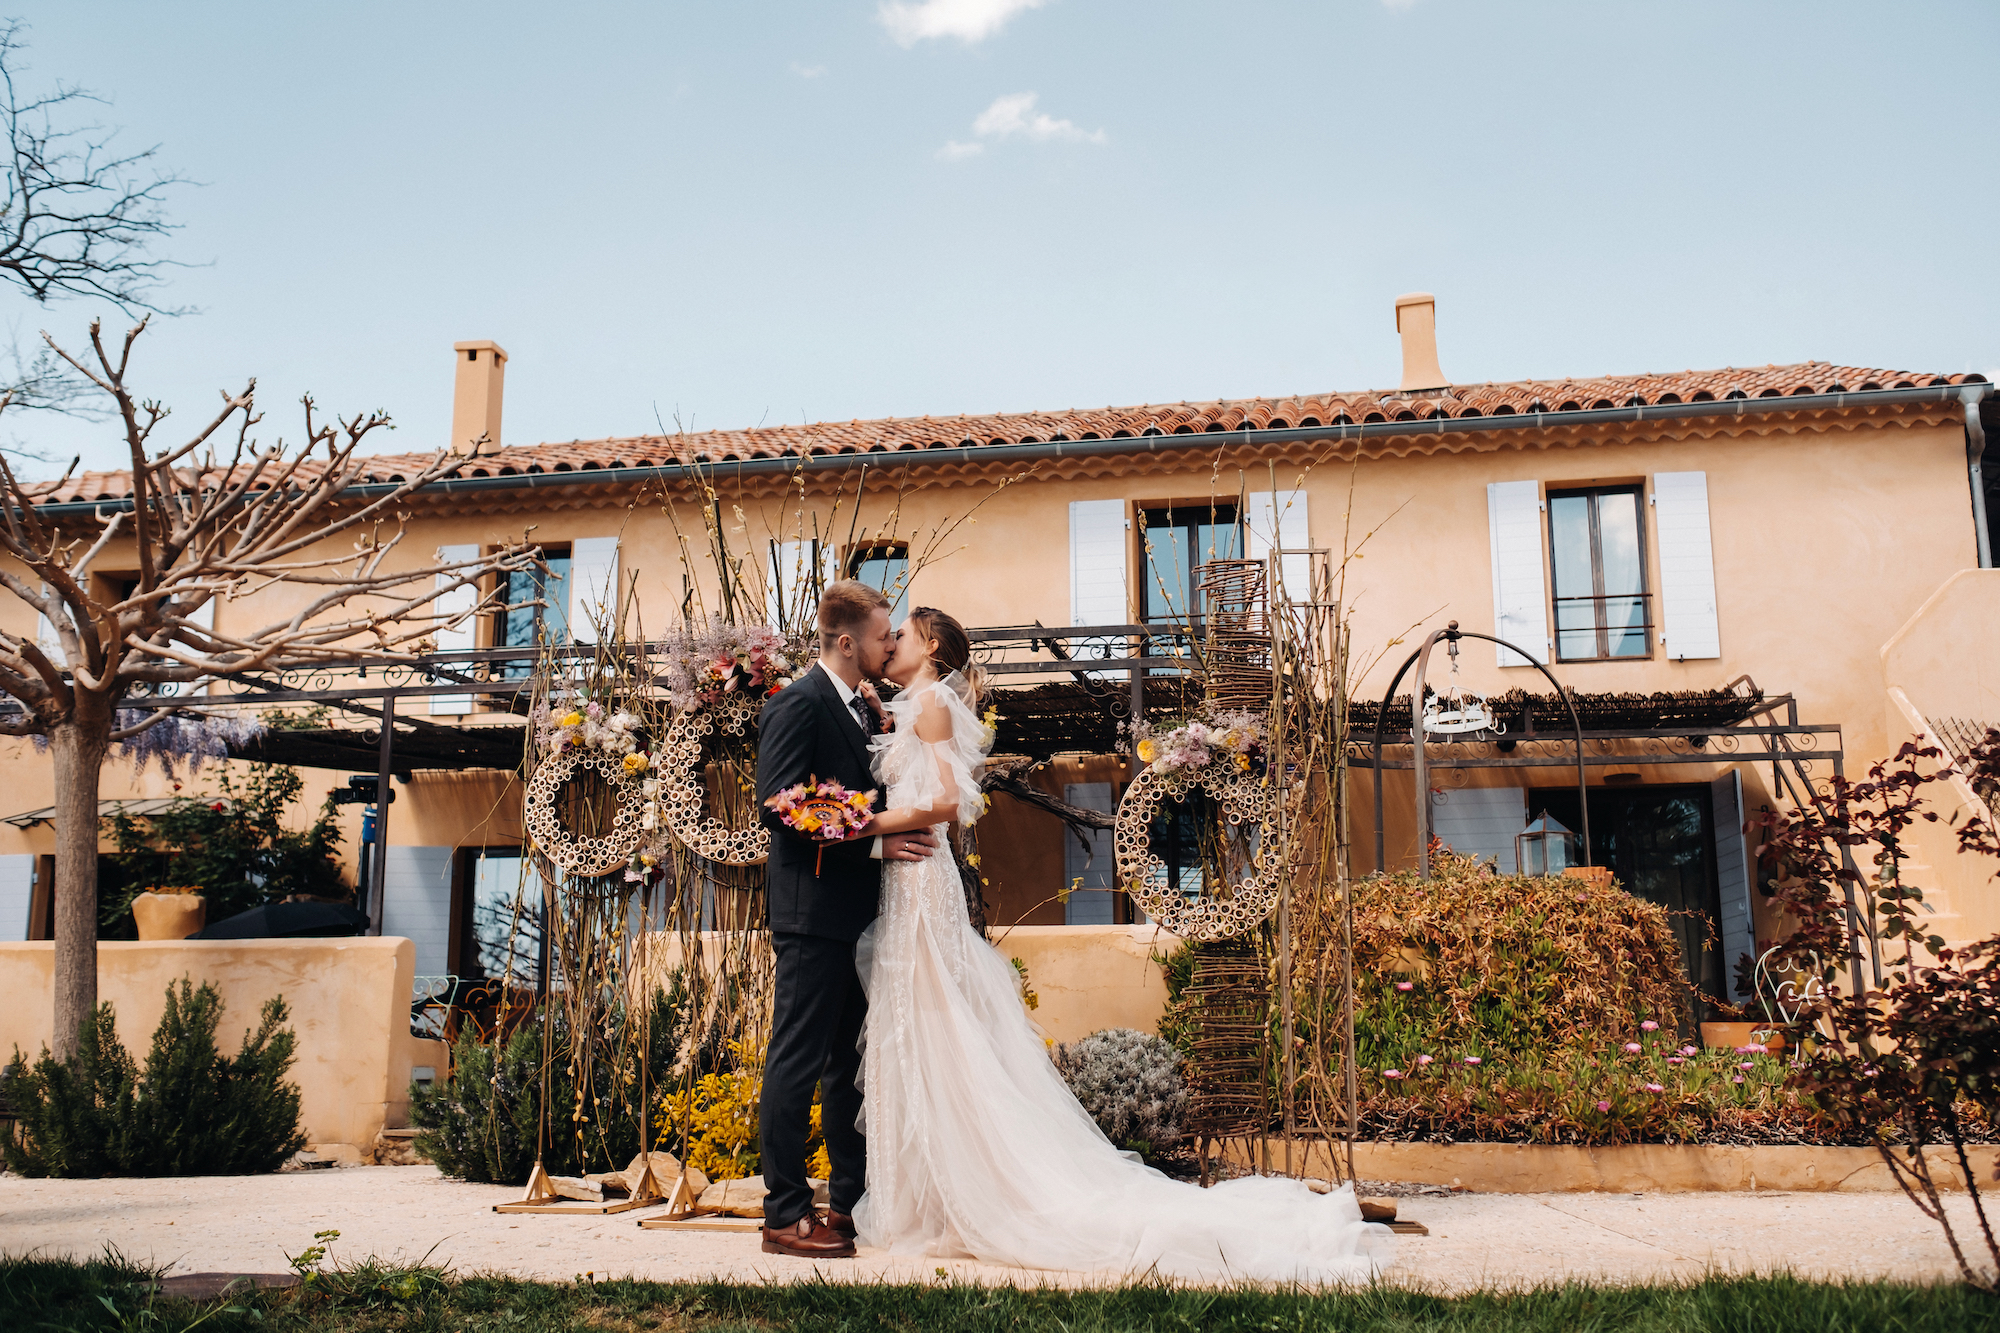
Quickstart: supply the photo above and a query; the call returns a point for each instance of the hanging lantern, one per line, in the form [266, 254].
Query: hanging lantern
[1545, 847]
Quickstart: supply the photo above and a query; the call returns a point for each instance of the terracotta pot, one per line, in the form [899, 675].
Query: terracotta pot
[1733, 1036]
[169, 916]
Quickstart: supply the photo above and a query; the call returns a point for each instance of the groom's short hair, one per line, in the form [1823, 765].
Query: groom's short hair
[844, 608]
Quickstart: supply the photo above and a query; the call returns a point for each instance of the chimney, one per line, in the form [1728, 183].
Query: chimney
[475, 398]
[1416, 320]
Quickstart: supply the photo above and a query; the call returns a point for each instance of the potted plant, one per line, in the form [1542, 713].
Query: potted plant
[169, 913]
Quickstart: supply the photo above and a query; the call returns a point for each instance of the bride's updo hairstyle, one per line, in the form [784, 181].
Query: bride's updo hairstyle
[954, 649]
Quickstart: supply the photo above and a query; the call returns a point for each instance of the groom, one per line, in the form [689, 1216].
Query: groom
[819, 727]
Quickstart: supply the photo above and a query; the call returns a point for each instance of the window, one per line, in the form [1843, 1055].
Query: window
[499, 935]
[885, 565]
[1177, 543]
[524, 624]
[1597, 547]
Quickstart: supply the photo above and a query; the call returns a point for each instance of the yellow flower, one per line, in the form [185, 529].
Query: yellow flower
[573, 720]
[636, 763]
[859, 800]
[1148, 752]
[809, 823]
[1230, 738]
[1243, 763]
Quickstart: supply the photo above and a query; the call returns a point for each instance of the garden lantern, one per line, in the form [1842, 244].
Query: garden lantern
[1545, 847]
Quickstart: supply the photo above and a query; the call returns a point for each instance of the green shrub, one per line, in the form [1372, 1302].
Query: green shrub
[191, 1113]
[482, 1122]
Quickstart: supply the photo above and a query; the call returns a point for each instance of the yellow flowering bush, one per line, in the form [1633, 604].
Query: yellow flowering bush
[720, 1115]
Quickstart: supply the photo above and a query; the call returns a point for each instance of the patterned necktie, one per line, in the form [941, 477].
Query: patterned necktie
[862, 714]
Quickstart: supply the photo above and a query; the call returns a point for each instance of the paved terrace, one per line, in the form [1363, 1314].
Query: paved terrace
[249, 1224]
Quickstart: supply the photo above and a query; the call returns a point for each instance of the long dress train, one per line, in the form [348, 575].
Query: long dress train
[976, 1147]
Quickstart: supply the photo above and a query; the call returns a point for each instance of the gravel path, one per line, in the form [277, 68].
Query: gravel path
[249, 1224]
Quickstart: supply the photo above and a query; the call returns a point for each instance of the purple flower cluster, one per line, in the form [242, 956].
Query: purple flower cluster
[703, 665]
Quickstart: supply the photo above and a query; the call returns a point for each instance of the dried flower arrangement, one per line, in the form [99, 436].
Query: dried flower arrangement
[705, 664]
[1196, 742]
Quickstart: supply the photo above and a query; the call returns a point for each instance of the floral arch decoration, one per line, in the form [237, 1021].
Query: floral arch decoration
[683, 782]
[1243, 799]
[568, 850]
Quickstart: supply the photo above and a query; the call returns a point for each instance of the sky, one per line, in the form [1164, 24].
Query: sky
[718, 215]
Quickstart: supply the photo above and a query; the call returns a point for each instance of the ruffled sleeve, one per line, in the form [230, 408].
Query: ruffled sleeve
[940, 776]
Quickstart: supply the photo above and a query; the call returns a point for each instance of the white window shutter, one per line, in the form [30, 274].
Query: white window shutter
[1688, 624]
[1097, 584]
[46, 637]
[1280, 517]
[454, 634]
[1520, 594]
[593, 585]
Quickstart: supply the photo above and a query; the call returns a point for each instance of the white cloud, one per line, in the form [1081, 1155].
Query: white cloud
[1015, 114]
[968, 20]
[808, 71]
[954, 150]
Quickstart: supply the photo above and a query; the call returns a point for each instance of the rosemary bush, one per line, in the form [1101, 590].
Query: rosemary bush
[191, 1112]
[1130, 1084]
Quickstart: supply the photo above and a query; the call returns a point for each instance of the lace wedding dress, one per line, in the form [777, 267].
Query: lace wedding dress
[976, 1147]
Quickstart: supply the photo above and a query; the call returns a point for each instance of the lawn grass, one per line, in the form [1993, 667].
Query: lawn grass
[112, 1294]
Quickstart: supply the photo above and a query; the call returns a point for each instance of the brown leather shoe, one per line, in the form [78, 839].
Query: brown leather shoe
[841, 1222]
[808, 1238]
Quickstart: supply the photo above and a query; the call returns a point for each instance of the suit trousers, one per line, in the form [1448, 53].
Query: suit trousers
[818, 1009]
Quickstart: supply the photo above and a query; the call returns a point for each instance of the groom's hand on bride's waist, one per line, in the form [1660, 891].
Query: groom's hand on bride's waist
[912, 846]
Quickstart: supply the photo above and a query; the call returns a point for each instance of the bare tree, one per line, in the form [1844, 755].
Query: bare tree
[216, 518]
[77, 218]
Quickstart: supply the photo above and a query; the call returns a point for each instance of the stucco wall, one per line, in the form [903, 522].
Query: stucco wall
[1827, 536]
[1087, 978]
[349, 1002]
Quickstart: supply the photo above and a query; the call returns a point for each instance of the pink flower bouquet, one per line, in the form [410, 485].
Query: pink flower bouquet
[823, 811]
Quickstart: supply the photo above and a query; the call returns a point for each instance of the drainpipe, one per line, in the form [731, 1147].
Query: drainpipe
[1975, 450]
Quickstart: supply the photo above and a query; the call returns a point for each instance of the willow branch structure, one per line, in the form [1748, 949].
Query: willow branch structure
[127, 600]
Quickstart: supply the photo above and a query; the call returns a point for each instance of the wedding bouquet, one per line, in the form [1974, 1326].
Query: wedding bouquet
[823, 811]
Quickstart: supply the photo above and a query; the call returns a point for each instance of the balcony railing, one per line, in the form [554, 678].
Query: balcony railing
[1610, 627]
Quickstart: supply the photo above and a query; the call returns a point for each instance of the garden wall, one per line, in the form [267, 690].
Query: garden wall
[349, 1000]
[1087, 978]
[1630, 1168]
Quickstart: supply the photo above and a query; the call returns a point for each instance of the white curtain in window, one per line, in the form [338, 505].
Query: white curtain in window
[1688, 624]
[788, 582]
[1520, 592]
[593, 586]
[1097, 582]
[1279, 517]
[454, 633]
[46, 638]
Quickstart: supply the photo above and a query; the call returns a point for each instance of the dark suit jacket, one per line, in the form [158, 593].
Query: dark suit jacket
[805, 731]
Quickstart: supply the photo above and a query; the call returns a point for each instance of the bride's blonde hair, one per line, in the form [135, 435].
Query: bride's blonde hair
[954, 648]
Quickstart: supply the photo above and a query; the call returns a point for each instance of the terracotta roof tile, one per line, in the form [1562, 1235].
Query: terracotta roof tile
[897, 435]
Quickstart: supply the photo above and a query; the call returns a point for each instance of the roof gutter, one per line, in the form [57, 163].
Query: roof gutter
[1972, 395]
[1050, 450]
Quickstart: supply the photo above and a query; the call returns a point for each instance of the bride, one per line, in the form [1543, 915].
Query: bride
[976, 1147]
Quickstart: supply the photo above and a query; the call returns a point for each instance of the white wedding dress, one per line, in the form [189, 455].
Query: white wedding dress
[976, 1147]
